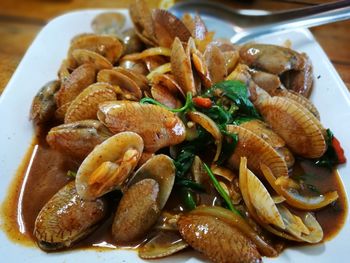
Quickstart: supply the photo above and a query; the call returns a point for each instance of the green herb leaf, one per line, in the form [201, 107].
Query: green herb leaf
[187, 198]
[235, 91]
[329, 159]
[188, 104]
[71, 174]
[221, 190]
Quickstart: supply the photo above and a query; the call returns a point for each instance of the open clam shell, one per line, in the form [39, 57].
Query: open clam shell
[257, 151]
[161, 169]
[108, 165]
[83, 56]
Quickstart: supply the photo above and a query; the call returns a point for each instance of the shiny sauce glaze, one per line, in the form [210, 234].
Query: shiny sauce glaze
[44, 171]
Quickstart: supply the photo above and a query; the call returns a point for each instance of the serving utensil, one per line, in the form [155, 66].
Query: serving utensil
[247, 24]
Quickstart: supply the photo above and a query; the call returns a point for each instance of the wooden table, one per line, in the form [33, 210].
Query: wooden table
[21, 20]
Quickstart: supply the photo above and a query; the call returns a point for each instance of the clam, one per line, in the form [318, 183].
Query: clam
[67, 66]
[66, 219]
[271, 58]
[85, 105]
[110, 23]
[300, 81]
[302, 131]
[264, 131]
[163, 95]
[181, 67]
[80, 78]
[156, 125]
[147, 192]
[217, 239]
[129, 88]
[77, 138]
[161, 169]
[257, 150]
[106, 45]
[136, 66]
[295, 67]
[139, 79]
[132, 43]
[83, 56]
[137, 211]
[289, 189]
[150, 52]
[275, 218]
[269, 82]
[195, 25]
[141, 17]
[109, 164]
[163, 244]
[216, 63]
[210, 126]
[44, 105]
[297, 97]
[167, 27]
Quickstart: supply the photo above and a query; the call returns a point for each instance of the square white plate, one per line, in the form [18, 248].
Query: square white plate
[40, 65]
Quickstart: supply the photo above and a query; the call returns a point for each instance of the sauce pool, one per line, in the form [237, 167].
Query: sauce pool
[44, 171]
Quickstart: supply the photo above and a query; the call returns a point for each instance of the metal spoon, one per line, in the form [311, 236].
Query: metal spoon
[245, 24]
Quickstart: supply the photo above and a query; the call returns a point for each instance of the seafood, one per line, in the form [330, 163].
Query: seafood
[85, 105]
[77, 138]
[81, 77]
[108, 165]
[280, 60]
[301, 130]
[137, 211]
[178, 140]
[66, 218]
[44, 105]
[162, 128]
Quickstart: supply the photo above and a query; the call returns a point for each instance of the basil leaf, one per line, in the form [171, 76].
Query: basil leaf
[329, 159]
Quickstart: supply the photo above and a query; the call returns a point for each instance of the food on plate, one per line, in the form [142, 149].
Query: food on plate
[169, 138]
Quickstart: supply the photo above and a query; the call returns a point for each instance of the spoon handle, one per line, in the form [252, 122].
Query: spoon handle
[298, 18]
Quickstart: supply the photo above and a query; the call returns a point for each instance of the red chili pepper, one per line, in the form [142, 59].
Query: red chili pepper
[338, 150]
[202, 102]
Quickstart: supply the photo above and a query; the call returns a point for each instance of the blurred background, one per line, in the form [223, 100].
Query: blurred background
[21, 20]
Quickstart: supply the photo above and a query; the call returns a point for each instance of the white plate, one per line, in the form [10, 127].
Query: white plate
[40, 64]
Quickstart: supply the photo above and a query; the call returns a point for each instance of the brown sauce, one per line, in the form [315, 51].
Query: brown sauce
[44, 171]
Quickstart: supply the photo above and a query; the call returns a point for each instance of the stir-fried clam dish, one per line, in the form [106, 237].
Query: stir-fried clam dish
[185, 141]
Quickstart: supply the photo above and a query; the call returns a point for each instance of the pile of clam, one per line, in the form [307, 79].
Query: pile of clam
[117, 139]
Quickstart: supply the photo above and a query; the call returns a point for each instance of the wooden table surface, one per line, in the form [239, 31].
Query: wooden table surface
[21, 20]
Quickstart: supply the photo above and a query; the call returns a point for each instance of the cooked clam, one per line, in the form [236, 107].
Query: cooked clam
[77, 138]
[85, 105]
[44, 105]
[160, 127]
[108, 165]
[66, 218]
[137, 211]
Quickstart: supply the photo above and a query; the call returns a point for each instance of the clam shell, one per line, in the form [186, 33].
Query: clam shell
[181, 67]
[83, 56]
[78, 138]
[85, 105]
[216, 239]
[110, 23]
[301, 131]
[160, 168]
[129, 87]
[106, 45]
[111, 150]
[66, 218]
[137, 211]
[81, 77]
[44, 105]
[156, 125]
[164, 244]
[257, 151]
[167, 27]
